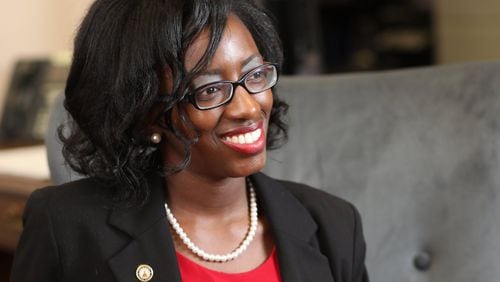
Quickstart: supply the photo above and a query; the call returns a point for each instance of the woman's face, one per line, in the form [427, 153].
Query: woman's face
[232, 137]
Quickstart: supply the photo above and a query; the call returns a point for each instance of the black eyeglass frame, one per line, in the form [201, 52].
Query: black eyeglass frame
[240, 82]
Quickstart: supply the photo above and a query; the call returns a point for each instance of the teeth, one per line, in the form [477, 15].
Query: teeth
[247, 138]
[256, 134]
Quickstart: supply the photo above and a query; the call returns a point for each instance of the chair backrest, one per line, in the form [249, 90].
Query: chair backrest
[418, 152]
[60, 172]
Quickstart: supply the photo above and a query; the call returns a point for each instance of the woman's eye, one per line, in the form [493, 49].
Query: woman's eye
[211, 90]
[256, 76]
[207, 93]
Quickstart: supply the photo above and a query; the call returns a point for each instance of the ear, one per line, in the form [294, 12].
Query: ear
[156, 120]
[161, 122]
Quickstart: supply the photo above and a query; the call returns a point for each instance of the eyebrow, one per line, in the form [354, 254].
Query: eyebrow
[243, 64]
[249, 59]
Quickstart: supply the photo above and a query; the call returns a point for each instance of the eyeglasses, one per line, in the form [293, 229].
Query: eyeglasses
[218, 93]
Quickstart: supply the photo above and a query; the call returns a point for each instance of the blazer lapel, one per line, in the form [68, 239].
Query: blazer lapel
[151, 242]
[292, 226]
[294, 233]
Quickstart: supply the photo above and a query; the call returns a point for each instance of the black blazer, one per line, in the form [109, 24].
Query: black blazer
[71, 233]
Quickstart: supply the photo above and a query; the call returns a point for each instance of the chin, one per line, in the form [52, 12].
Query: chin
[249, 166]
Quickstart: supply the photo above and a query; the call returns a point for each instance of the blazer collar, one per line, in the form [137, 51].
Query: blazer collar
[291, 224]
[151, 242]
[294, 232]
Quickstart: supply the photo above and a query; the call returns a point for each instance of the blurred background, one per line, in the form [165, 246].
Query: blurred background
[320, 36]
[353, 35]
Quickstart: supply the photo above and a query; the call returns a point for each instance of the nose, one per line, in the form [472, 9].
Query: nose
[243, 105]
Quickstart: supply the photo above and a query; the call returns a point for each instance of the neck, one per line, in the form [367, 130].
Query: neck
[208, 197]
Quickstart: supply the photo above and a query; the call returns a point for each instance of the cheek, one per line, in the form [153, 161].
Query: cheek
[205, 123]
[191, 124]
[265, 100]
[204, 120]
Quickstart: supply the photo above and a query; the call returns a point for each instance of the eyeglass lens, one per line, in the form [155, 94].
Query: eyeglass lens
[218, 93]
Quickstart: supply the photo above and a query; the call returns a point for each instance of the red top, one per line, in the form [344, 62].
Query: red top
[193, 272]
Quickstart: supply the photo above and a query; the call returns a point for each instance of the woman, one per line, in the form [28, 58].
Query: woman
[174, 110]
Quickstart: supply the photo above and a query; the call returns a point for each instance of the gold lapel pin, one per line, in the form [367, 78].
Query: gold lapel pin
[144, 273]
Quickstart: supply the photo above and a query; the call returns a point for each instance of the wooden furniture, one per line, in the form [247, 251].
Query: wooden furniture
[23, 168]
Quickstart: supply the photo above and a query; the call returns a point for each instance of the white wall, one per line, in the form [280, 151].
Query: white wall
[31, 28]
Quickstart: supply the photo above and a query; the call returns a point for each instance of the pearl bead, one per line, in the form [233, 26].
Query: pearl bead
[217, 257]
[155, 138]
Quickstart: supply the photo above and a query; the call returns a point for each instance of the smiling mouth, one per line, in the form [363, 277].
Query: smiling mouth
[246, 138]
[247, 141]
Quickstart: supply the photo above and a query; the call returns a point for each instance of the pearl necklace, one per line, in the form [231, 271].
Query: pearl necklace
[213, 257]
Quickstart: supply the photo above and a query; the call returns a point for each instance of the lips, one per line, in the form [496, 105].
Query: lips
[246, 140]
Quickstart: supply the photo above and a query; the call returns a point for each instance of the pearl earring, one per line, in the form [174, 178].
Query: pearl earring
[155, 138]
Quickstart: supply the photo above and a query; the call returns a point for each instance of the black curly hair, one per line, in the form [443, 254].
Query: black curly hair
[121, 53]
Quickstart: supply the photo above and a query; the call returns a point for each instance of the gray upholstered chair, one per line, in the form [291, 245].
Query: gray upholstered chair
[417, 151]
[60, 172]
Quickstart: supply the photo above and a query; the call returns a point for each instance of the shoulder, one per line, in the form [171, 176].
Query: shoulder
[322, 205]
[335, 223]
[77, 199]
[65, 230]
[71, 192]
[69, 212]
[340, 233]
[330, 213]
